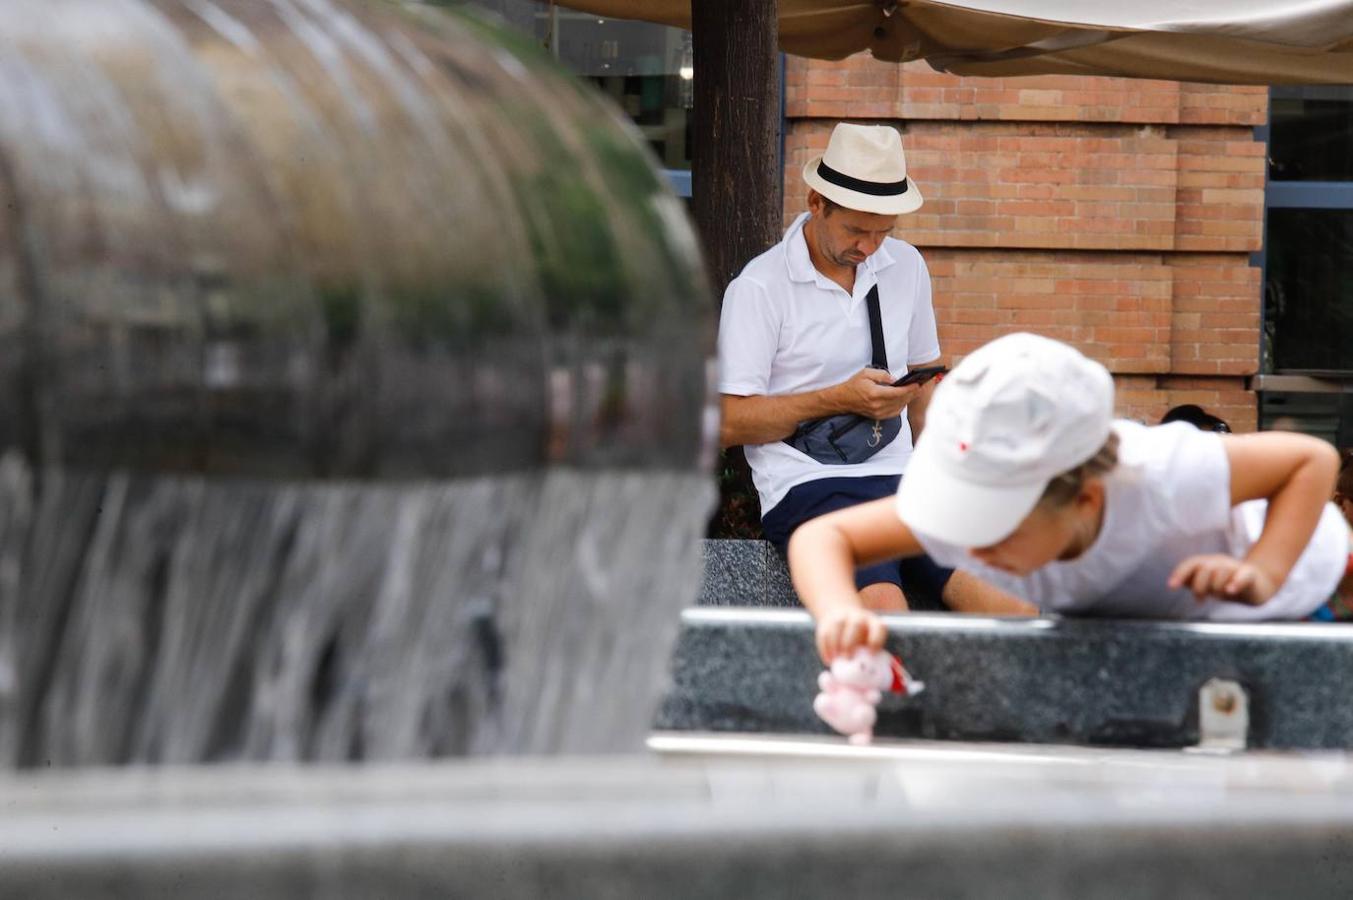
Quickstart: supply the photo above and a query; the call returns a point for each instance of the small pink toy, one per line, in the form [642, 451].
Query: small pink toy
[853, 686]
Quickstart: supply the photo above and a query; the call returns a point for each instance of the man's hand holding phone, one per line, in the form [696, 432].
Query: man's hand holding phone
[871, 393]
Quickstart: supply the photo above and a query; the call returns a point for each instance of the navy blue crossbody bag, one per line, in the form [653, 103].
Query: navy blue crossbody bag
[849, 438]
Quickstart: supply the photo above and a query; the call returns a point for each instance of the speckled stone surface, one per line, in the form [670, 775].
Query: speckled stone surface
[1112, 683]
[745, 573]
[779, 589]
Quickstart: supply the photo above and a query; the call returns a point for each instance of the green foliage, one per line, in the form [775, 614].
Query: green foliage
[484, 26]
[568, 229]
[341, 307]
[739, 512]
[633, 182]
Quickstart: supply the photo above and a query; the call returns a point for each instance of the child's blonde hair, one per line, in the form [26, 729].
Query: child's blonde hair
[1064, 488]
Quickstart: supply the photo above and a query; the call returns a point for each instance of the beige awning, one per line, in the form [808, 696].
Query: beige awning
[1222, 41]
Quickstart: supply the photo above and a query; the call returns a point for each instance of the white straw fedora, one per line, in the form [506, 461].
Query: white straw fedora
[865, 169]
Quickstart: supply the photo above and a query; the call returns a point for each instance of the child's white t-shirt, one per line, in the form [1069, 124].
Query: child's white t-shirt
[1167, 499]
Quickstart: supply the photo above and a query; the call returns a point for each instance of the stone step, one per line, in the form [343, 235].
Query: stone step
[1087, 825]
[752, 573]
[1054, 681]
[745, 573]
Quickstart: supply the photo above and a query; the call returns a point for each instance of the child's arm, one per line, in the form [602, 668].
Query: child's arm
[823, 555]
[1296, 474]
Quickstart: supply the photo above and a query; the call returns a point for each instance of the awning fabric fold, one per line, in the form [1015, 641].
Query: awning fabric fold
[1219, 41]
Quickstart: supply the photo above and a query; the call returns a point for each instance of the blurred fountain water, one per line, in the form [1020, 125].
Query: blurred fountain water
[354, 383]
[171, 620]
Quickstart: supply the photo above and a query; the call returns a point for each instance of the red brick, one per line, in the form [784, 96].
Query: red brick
[1114, 214]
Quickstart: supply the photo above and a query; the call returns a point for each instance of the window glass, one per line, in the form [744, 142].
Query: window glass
[1324, 415]
[1311, 133]
[1308, 302]
[645, 68]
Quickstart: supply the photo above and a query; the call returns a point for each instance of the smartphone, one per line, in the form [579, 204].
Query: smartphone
[920, 376]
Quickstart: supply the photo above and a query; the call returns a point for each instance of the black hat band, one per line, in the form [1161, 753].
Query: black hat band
[874, 188]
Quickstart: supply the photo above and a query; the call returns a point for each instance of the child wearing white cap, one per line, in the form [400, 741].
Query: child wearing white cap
[1023, 478]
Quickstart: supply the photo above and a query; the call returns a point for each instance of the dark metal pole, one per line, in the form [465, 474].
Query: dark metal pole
[735, 161]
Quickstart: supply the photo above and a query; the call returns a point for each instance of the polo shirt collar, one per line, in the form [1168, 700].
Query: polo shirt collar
[800, 265]
[796, 252]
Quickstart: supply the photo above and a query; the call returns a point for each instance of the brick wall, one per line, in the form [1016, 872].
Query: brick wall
[1115, 214]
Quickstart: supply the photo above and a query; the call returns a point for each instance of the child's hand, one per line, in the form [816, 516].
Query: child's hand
[1225, 577]
[846, 628]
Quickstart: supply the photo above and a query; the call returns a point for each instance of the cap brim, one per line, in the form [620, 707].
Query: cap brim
[891, 205]
[934, 503]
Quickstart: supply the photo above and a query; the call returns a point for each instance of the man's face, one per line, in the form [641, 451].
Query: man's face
[846, 237]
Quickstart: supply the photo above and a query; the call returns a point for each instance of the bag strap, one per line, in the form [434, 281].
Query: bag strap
[880, 360]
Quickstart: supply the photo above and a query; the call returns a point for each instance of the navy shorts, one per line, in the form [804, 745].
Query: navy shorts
[919, 577]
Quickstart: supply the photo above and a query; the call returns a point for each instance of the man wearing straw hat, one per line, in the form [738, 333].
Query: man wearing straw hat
[813, 334]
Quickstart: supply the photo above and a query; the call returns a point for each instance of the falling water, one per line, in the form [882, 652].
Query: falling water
[157, 619]
[353, 365]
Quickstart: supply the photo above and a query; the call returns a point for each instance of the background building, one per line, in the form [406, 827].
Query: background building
[1117, 215]
[1197, 239]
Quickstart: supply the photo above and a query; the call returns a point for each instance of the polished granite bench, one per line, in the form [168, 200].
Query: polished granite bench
[1045, 680]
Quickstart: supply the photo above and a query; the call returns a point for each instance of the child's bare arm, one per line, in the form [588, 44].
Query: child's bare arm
[823, 555]
[1296, 474]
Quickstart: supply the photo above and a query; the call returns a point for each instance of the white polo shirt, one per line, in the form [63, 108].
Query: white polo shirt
[787, 329]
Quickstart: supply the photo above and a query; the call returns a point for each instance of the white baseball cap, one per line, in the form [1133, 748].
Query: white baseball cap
[1016, 413]
[864, 169]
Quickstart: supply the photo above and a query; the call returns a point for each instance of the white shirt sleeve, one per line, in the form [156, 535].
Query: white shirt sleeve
[749, 333]
[923, 342]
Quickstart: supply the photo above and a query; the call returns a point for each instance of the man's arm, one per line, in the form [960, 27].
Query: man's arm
[759, 419]
[762, 420]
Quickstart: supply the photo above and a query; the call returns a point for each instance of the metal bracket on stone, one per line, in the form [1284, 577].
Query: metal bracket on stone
[1223, 716]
